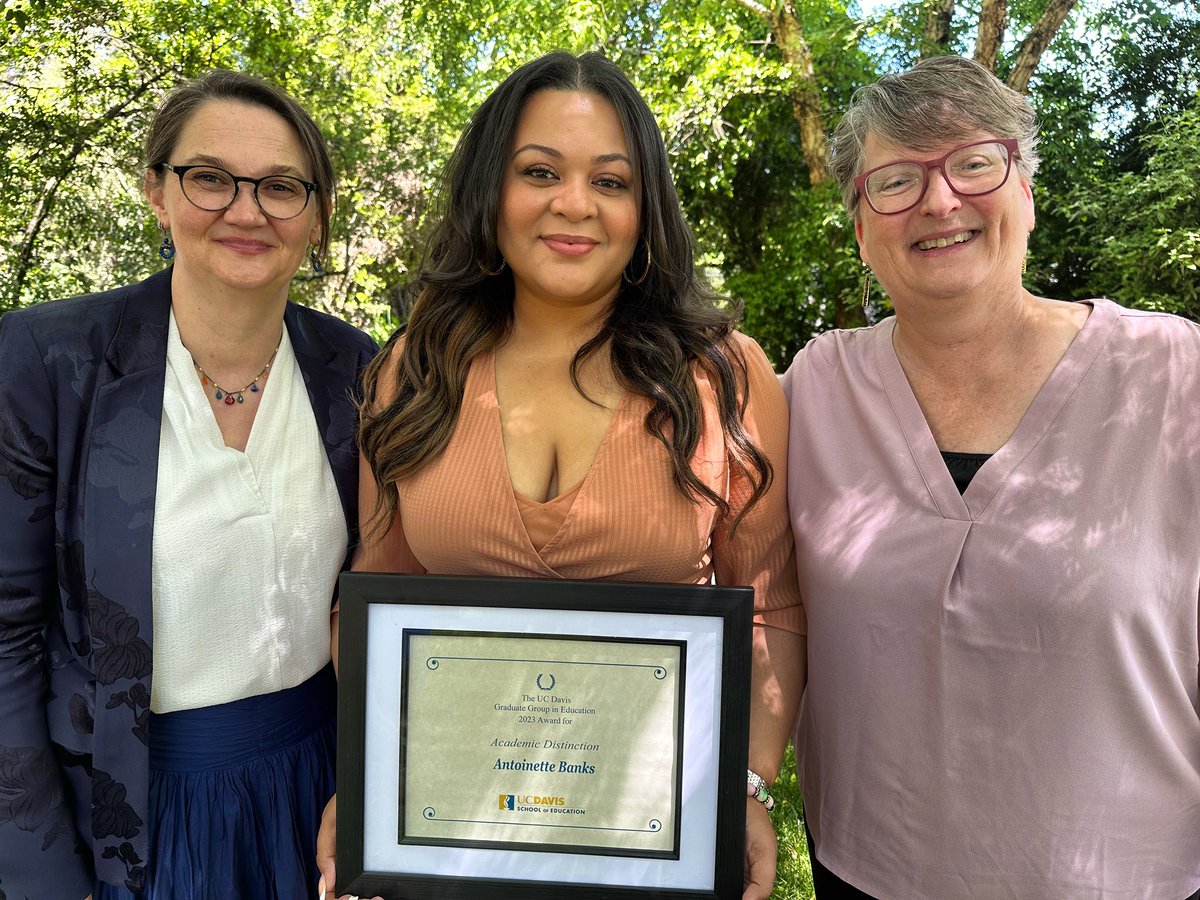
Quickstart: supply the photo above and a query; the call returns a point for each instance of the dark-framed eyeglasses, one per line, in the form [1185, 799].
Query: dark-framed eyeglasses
[213, 189]
[971, 170]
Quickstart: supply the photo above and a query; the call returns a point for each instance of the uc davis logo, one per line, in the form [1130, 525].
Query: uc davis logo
[507, 801]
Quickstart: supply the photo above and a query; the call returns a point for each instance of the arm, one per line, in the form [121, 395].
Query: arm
[762, 554]
[378, 551]
[37, 831]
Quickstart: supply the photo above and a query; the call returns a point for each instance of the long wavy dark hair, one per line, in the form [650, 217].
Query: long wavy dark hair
[659, 331]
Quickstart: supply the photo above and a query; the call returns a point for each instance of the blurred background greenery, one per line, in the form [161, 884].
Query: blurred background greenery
[743, 89]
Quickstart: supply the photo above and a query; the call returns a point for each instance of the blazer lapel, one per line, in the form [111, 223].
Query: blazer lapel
[329, 375]
[120, 481]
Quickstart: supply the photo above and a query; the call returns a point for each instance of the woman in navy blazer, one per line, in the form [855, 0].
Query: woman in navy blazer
[100, 793]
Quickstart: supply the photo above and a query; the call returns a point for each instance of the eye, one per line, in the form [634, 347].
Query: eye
[539, 172]
[977, 164]
[209, 178]
[284, 187]
[610, 183]
[894, 180]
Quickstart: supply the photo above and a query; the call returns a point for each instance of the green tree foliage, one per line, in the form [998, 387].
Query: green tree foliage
[737, 85]
[1146, 226]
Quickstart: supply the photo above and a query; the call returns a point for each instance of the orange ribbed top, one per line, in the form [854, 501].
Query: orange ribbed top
[459, 515]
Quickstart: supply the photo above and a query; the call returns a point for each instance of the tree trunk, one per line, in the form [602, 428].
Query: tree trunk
[807, 106]
[992, 17]
[937, 28]
[805, 92]
[1029, 54]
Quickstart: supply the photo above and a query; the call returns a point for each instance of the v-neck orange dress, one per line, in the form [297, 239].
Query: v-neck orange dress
[626, 521]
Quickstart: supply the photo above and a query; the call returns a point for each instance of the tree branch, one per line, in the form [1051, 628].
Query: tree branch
[937, 27]
[66, 166]
[1029, 54]
[757, 8]
[992, 17]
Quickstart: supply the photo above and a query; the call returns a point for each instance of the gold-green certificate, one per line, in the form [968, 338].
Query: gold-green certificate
[541, 739]
[549, 741]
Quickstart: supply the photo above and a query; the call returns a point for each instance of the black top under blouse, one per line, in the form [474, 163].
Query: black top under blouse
[963, 466]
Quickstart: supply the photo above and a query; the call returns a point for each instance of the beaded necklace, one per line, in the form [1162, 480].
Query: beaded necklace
[229, 396]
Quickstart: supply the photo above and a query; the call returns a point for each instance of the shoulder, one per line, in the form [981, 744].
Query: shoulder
[1148, 324]
[761, 382]
[837, 349]
[87, 312]
[337, 332]
[747, 348]
[86, 325]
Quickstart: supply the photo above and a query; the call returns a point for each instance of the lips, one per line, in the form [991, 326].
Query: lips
[245, 245]
[569, 244]
[940, 242]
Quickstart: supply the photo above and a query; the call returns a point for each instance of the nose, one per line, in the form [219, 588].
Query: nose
[244, 207]
[573, 199]
[939, 198]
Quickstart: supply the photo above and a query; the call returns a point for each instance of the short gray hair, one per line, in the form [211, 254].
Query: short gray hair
[940, 100]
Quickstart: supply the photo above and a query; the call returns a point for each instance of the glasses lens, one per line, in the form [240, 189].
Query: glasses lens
[210, 189]
[282, 197]
[894, 188]
[978, 168]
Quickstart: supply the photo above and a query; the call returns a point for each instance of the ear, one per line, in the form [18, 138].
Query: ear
[314, 235]
[152, 187]
[1027, 201]
[858, 234]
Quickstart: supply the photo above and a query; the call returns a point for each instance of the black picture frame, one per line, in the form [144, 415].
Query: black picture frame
[712, 622]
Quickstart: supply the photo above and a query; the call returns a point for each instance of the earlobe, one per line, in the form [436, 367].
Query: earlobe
[858, 235]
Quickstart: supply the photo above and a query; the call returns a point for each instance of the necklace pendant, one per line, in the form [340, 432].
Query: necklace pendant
[241, 399]
[219, 394]
[229, 399]
[254, 388]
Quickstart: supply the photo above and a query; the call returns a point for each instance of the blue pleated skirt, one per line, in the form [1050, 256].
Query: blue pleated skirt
[236, 795]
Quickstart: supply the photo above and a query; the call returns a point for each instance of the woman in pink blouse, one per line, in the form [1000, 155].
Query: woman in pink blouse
[568, 399]
[995, 499]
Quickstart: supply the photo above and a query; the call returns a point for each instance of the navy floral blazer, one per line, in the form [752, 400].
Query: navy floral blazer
[81, 390]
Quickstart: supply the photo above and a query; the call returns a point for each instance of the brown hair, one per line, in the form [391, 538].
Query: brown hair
[221, 84]
[663, 326]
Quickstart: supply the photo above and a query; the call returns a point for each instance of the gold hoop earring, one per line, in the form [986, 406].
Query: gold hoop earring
[492, 273]
[645, 273]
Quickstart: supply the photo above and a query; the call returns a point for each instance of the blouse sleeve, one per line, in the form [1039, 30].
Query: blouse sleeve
[761, 552]
[38, 839]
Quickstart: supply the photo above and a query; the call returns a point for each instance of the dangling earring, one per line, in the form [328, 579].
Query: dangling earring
[492, 273]
[866, 293]
[167, 248]
[645, 272]
[1024, 263]
[317, 268]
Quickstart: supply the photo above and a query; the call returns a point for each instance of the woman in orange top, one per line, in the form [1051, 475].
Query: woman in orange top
[568, 400]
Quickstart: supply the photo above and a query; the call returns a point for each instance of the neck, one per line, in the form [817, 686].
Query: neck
[227, 331]
[547, 325]
[967, 335]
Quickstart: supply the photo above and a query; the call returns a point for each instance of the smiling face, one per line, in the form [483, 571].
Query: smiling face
[947, 245]
[569, 201]
[240, 247]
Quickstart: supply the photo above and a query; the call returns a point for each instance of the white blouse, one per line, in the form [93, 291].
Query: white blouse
[247, 545]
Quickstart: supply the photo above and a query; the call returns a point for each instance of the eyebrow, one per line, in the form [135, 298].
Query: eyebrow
[277, 169]
[550, 151]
